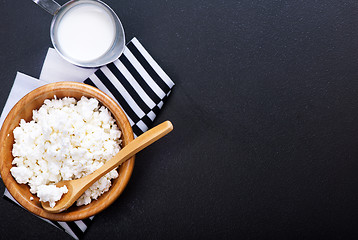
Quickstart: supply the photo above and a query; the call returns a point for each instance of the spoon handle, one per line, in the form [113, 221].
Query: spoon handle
[49, 5]
[128, 151]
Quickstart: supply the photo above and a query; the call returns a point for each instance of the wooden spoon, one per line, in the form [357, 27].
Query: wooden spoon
[77, 187]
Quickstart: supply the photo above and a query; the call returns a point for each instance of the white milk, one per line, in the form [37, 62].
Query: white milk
[85, 32]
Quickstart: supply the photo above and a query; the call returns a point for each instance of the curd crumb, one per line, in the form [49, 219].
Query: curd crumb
[51, 193]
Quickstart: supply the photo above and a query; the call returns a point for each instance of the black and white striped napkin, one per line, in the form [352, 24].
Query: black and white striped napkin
[135, 81]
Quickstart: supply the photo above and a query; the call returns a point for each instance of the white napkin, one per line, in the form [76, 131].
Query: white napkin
[57, 69]
[23, 84]
[135, 81]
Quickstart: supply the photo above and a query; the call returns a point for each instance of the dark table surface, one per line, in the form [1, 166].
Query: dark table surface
[265, 111]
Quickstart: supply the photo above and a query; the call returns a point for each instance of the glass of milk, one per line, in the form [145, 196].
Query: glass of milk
[86, 33]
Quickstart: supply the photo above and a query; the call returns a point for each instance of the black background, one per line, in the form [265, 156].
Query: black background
[265, 111]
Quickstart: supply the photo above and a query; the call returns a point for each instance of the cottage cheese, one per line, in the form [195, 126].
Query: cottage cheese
[50, 193]
[67, 139]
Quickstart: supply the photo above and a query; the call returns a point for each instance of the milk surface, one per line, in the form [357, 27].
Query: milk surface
[85, 32]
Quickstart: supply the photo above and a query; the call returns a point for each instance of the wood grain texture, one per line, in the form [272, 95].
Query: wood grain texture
[23, 110]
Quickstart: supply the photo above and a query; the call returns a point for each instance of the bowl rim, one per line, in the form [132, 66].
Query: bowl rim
[128, 166]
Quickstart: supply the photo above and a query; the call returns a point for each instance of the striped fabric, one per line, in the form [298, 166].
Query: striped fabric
[75, 229]
[137, 83]
[140, 87]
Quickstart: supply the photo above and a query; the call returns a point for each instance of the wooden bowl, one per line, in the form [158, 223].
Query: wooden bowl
[23, 110]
